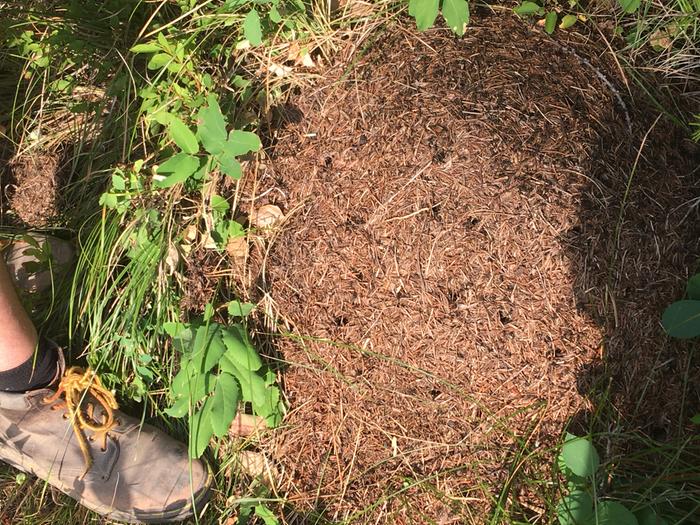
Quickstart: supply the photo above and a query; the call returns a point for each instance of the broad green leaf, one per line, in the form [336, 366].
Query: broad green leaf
[118, 182]
[239, 309]
[567, 21]
[240, 350]
[219, 204]
[252, 29]
[527, 8]
[207, 347]
[211, 127]
[648, 516]
[180, 167]
[693, 289]
[180, 408]
[224, 403]
[265, 514]
[275, 15]
[695, 419]
[575, 509]
[550, 22]
[183, 136]
[682, 319]
[189, 383]
[456, 13]
[151, 47]
[201, 429]
[158, 61]
[629, 6]
[241, 142]
[614, 513]
[580, 456]
[424, 11]
[110, 200]
[229, 166]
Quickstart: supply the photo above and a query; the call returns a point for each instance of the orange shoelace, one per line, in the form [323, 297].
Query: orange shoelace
[76, 385]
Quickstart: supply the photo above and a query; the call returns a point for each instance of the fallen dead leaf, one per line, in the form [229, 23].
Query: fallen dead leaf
[172, 259]
[266, 216]
[246, 425]
[278, 70]
[256, 465]
[660, 40]
[237, 248]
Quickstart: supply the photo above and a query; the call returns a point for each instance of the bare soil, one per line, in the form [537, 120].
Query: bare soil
[477, 240]
[34, 194]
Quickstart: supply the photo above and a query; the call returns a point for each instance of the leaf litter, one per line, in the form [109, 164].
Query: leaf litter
[462, 256]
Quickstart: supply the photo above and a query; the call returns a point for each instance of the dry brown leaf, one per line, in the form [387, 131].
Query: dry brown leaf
[237, 248]
[278, 70]
[660, 40]
[256, 465]
[266, 216]
[172, 259]
[246, 425]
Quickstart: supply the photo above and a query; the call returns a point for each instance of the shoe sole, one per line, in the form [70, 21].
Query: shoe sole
[14, 459]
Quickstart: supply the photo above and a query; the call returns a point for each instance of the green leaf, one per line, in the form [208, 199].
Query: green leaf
[201, 429]
[110, 200]
[229, 166]
[224, 403]
[180, 167]
[424, 11]
[275, 15]
[158, 61]
[695, 419]
[693, 289]
[151, 47]
[614, 513]
[575, 509]
[241, 142]
[189, 383]
[567, 21]
[239, 309]
[456, 13]
[629, 6]
[180, 408]
[219, 204]
[252, 29]
[580, 456]
[682, 319]
[550, 22]
[207, 347]
[118, 182]
[268, 517]
[239, 349]
[211, 127]
[183, 136]
[527, 8]
[648, 516]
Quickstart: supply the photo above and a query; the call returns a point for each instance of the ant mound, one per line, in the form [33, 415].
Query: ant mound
[474, 227]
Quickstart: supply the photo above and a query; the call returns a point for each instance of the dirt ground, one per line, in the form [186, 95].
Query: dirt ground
[481, 234]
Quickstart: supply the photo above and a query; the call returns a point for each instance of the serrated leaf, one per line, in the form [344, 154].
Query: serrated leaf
[456, 13]
[151, 47]
[240, 350]
[183, 136]
[424, 11]
[224, 403]
[693, 288]
[180, 167]
[682, 319]
[211, 127]
[575, 509]
[527, 8]
[580, 456]
[201, 430]
[567, 21]
[251, 28]
[550, 22]
[158, 61]
[629, 6]
[614, 513]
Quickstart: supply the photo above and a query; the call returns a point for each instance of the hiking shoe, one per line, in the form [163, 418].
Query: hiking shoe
[72, 436]
[36, 260]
